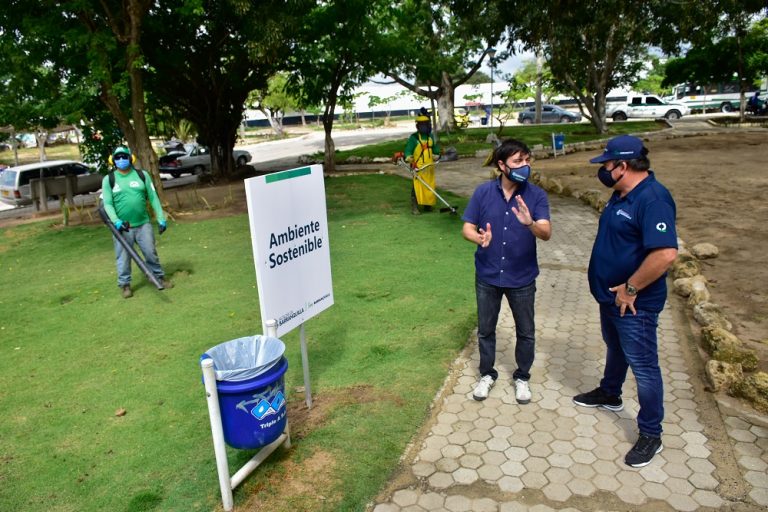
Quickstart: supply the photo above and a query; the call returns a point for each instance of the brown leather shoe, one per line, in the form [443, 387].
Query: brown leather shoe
[127, 292]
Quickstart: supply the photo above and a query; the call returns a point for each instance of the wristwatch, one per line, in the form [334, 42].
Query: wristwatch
[631, 290]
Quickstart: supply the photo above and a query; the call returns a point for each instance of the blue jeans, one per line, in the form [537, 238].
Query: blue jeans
[488, 306]
[144, 237]
[631, 342]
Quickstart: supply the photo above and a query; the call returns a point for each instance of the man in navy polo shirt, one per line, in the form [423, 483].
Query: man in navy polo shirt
[635, 245]
[504, 217]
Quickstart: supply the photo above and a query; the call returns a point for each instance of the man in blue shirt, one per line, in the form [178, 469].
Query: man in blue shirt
[635, 245]
[504, 218]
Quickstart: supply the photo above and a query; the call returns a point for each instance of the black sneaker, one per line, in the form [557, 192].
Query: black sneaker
[643, 451]
[598, 398]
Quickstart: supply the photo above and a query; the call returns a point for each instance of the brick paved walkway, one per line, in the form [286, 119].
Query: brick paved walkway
[497, 455]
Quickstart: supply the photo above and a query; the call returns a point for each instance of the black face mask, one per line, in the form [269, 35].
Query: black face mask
[606, 178]
[424, 129]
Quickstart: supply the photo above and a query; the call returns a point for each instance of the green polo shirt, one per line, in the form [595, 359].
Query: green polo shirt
[127, 200]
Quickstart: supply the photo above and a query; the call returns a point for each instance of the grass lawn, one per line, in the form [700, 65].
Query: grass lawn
[468, 141]
[74, 352]
[31, 155]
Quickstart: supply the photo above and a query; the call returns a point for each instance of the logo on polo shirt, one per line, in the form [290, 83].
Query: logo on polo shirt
[623, 214]
[661, 227]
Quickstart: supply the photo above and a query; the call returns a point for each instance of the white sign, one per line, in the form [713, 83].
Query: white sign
[289, 232]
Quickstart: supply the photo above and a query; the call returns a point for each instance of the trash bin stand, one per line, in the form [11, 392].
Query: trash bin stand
[227, 483]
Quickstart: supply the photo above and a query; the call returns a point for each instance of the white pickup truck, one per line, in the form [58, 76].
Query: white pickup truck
[645, 106]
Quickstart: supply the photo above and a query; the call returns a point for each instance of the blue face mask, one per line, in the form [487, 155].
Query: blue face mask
[520, 174]
[123, 163]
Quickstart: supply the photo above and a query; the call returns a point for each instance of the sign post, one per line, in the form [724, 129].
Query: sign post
[291, 251]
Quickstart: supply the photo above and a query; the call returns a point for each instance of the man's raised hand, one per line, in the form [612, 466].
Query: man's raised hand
[485, 236]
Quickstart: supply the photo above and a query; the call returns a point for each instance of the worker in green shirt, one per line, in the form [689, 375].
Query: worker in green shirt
[125, 194]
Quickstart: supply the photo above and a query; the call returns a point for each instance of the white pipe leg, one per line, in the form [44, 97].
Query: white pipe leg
[217, 431]
[305, 365]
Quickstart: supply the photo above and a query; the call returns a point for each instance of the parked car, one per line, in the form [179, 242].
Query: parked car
[645, 106]
[14, 181]
[195, 159]
[549, 114]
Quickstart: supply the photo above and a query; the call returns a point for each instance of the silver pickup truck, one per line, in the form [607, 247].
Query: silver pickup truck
[646, 106]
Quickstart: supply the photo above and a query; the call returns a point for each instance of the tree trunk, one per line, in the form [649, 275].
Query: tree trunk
[444, 97]
[134, 58]
[435, 117]
[595, 105]
[330, 150]
[330, 108]
[743, 85]
[128, 33]
[222, 163]
[218, 160]
[329, 160]
[14, 146]
[277, 124]
[600, 122]
[41, 136]
[539, 68]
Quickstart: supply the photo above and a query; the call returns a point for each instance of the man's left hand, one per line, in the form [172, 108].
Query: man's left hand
[623, 299]
[161, 227]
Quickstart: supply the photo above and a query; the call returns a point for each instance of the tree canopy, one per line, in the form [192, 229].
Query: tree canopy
[274, 101]
[447, 43]
[338, 49]
[206, 58]
[198, 60]
[717, 61]
[593, 47]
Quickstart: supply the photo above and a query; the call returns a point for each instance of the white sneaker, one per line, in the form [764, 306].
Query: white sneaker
[522, 391]
[483, 388]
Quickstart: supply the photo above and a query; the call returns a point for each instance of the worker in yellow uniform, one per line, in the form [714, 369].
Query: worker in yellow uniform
[421, 152]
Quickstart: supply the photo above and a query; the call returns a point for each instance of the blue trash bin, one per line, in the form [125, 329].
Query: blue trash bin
[253, 407]
[559, 140]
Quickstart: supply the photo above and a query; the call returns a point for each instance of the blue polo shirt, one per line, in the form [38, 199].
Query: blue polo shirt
[510, 259]
[629, 229]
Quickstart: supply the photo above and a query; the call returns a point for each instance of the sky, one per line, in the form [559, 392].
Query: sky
[512, 64]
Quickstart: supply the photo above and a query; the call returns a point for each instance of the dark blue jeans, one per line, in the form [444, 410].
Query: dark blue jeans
[488, 306]
[631, 342]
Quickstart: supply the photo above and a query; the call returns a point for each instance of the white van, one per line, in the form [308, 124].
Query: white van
[14, 181]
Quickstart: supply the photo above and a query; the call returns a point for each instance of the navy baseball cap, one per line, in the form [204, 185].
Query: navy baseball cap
[623, 147]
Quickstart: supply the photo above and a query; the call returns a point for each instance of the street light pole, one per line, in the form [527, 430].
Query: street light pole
[491, 53]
